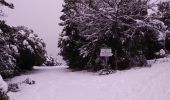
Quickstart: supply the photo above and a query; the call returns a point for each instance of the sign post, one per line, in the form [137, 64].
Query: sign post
[106, 53]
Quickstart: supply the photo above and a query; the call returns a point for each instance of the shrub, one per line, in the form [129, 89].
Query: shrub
[50, 61]
[20, 49]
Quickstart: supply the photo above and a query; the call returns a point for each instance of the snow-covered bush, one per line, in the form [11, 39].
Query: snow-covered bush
[20, 49]
[31, 49]
[13, 87]
[164, 12]
[7, 60]
[51, 61]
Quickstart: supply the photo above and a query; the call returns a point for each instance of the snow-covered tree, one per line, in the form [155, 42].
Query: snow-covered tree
[123, 25]
[164, 12]
[70, 38]
[7, 60]
[164, 15]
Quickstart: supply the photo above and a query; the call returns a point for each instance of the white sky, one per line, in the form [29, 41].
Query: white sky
[40, 15]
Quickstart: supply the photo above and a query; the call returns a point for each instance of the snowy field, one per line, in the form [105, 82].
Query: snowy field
[58, 83]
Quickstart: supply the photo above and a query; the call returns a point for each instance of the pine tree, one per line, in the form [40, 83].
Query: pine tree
[70, 38]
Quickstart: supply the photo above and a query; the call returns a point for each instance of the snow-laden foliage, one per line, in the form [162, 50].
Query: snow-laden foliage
[7, 59]
[164, 15]
[20, 49]
[31, 48]
[164, 12]
[123, 25]
[51, 61]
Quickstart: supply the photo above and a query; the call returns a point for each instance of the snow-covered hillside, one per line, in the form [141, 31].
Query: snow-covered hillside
[58, 83]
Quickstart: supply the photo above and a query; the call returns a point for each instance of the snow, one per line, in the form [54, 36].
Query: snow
[14, 48]
[3, 85]
[161, 36]
[160, 53]
[22, 32]
[25, 42]
[65, 37]
[30, 48]
[31, 36]
[59, 83]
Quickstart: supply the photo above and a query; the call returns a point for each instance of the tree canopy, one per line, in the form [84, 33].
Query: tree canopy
[123, 25]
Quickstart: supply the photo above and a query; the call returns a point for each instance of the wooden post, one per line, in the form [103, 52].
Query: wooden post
[116, 59]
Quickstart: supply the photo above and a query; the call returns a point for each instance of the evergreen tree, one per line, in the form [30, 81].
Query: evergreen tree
[164, 15]
[123, 25]
[164, 11]
[69, 41]
[7, 61]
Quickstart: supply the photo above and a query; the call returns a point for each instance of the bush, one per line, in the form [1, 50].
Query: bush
[50, 61]
[20, 49]
[31, 49]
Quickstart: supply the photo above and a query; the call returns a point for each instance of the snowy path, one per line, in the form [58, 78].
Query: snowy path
[58, 83]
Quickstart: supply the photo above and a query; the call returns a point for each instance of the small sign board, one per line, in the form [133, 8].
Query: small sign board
[106, 52]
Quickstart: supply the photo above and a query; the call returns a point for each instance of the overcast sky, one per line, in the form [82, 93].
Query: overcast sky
[40, 15]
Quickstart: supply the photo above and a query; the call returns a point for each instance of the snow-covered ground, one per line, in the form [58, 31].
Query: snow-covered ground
[58, 83]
